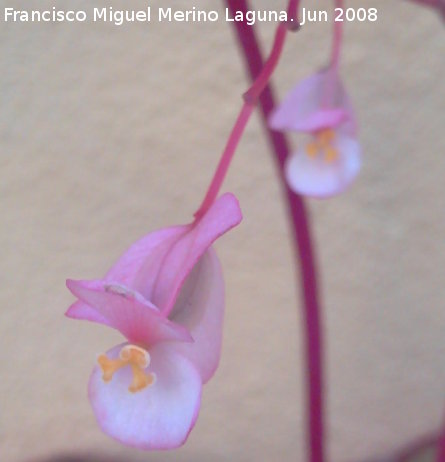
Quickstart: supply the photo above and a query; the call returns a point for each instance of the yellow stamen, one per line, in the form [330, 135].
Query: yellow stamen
[312, 149]
[140, 379]
[326, 137]
[130, 355]
[323, 142]
[330, 154]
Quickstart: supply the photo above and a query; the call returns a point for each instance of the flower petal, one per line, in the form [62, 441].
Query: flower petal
[158, 417]
[316, 103]
[139, 266]
[223, 215]
[316, 177]
[80, 310]
[200, 308]
[157, 265]
[126, 311]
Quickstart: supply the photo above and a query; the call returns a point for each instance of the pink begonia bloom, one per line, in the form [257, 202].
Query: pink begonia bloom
[320, 107]
[166, 296]
[439, 5]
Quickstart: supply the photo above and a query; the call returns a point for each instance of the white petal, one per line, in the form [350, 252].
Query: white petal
[158, 417]
[316, 177]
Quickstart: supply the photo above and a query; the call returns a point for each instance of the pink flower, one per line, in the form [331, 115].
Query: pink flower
[320, 107]
[439, 5]
[166, 296]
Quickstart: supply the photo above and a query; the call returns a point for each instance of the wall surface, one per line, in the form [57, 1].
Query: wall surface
[108, 132]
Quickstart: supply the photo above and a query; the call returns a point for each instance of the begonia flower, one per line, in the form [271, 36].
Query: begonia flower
[319, 107]
[438, 5]
[166, 296]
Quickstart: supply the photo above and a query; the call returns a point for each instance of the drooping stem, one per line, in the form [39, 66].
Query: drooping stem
[304, 250]
[337, 39]
[332, 83]
[264, 76]
[250, 97]
[227, 155]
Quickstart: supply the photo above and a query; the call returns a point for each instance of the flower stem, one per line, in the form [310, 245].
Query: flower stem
[338, 36]
[304, 251]
[250, 100]
[227, 155]
[332, 83]
[267, 69]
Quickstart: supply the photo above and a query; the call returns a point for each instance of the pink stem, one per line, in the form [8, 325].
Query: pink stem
[250, 98]
[304, 251]
[263, 78]
[224, 163]
[267, 69]
[332, 83]
[337, 40]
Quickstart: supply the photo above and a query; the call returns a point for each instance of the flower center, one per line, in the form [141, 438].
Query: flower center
[135, 357]
[323, 143]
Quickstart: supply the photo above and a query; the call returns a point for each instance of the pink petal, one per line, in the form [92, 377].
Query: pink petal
[139, 266]
[80, 310]
[200, 308]
[316, 177]
[126, 311]
[157, 265]
[316, 103]
[160, 416]
[223, 215]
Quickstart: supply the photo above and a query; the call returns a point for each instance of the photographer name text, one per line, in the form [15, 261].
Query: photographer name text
[192, 15]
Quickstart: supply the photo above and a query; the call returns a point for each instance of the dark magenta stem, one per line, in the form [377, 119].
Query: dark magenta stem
[304, 252]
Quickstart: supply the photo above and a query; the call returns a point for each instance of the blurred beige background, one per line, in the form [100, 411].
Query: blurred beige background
[109, 132]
